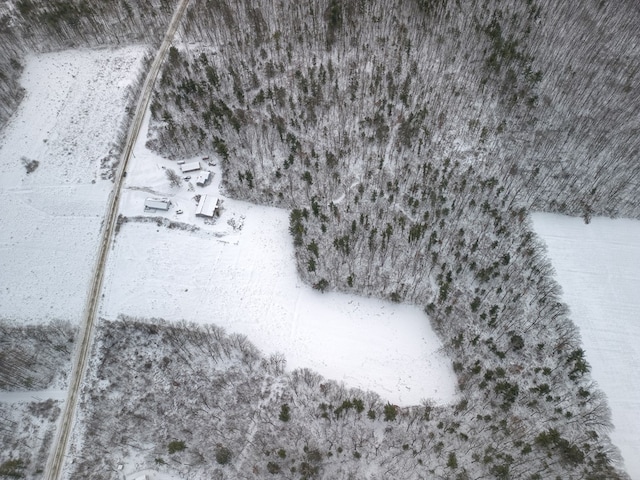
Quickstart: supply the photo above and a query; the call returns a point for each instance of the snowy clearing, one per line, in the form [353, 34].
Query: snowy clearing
[68, 122]
[239, 272]
[598, 266]
[32, 396]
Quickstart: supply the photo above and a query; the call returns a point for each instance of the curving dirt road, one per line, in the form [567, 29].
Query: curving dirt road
[58, 450]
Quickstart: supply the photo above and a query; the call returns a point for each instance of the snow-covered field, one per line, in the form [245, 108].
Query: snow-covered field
[68, 120]
[240, 273]
[598, 266]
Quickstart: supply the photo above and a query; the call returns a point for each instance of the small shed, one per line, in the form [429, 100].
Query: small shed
[157, 204]
[207, 206]
[190, 167]
[203, 178]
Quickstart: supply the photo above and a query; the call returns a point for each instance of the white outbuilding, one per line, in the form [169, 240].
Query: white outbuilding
[190, 167]
[207, 206]
[203, 178]
[157, 204]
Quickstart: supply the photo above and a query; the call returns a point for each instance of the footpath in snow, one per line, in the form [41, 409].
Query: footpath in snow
[598, 266]
[239, 272]
[51, 218]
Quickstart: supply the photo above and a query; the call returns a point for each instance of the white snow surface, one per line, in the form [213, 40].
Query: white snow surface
[598, 267]
[50, 219]
[25, 396]
[240, 273]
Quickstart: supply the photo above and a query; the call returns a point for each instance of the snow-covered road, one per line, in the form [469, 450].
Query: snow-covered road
[598, 266]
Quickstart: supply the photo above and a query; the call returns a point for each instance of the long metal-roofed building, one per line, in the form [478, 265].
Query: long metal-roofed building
[190, 167]
[157, 204]
[207, 206]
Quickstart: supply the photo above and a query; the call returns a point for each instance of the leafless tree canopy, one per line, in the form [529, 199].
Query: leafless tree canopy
[410, 140]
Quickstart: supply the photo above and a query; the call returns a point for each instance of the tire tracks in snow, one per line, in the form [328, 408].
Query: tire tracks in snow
[58, 451]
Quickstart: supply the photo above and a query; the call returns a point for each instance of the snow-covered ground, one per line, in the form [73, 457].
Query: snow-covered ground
[598, 266]
[240, 273]
[50, 219]
[32, 396]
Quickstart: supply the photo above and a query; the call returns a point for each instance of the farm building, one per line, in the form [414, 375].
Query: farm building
[190, 167]
[207, 206]
[157, 204]
[203, 178]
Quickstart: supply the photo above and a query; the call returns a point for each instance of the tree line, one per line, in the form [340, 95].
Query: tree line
[194, 401]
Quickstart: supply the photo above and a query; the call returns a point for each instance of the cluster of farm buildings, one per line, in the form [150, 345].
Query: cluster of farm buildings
[207, 204]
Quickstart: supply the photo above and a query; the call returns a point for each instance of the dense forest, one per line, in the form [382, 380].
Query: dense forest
[505, 87]
[410, 141]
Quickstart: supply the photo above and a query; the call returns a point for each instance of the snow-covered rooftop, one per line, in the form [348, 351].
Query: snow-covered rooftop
[207, 206]
[203, 178]
[157, 203]
[190, 167]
